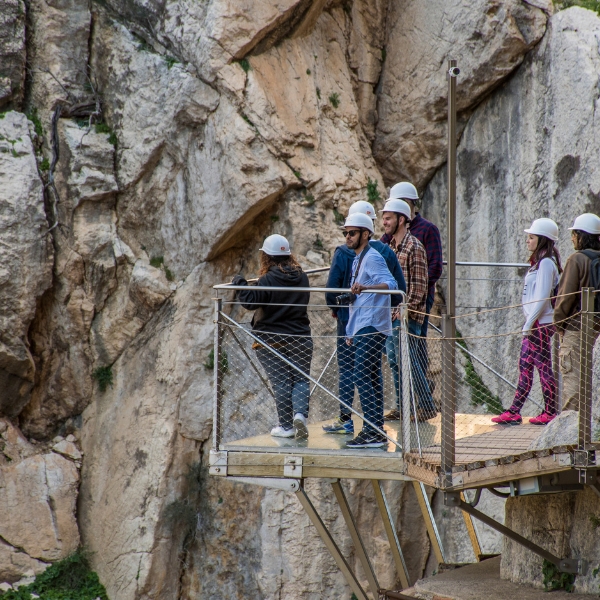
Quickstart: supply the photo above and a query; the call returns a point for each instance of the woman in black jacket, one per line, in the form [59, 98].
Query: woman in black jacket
[281, 322]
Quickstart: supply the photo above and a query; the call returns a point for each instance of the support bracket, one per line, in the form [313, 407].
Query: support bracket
[565, 565]
[287, 485]
[217, 463]
[292, 466]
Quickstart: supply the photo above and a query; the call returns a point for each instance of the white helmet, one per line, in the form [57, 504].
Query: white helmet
[588, 222]
[276, 245]
[363, 207]
[359, 220]
[404, 190]
[546, 227]
[397, 206]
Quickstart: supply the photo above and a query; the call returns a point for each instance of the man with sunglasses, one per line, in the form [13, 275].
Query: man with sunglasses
[369, 324]
[339, 277]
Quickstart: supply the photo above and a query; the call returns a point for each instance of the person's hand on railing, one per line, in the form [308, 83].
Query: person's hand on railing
[239, 280]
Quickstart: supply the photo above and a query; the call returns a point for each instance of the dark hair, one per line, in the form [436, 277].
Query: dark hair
[267, 261]
[545, 249]
[587, 240]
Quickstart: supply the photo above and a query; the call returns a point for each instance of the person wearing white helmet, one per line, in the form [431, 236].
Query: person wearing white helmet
[541, 283]
[281, 321]
[368, 325]
[413, 259]
[580, 270]
[429, 235]
[339, 277]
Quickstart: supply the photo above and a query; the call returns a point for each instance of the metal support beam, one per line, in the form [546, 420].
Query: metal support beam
[585, 374]
[330, 544]
[390, 530]
[217, 376]
[432, 530]
[448, 433]
[472, 532]
[565, 565]
[356, 539]
[448, 325]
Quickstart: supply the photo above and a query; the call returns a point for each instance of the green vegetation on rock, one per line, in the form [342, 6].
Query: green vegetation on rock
[68, 579]
[104, 377]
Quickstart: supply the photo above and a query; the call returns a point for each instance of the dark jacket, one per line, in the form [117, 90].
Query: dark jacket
[277, 312]
[575, 276]
[341, 272]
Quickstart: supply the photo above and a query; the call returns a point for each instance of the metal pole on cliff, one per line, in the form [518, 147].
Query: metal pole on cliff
[448, 449]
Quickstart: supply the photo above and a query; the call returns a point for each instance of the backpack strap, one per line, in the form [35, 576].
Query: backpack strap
[591, 254]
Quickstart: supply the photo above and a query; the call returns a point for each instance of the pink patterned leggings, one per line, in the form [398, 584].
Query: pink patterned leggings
[536, 353]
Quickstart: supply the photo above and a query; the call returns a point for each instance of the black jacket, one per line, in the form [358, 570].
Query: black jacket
[277, 312]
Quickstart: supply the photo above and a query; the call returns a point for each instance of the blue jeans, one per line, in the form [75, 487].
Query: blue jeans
[345, 360]
[291, 389]
[423, 353]
[392, 345]
[368, 344]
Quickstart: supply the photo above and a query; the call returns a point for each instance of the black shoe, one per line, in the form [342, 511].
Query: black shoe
[367, 440]
[393, 415]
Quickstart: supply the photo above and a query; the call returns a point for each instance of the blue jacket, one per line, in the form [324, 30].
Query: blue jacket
[341, 271]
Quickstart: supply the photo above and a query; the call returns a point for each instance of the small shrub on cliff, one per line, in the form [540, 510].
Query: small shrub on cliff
[37, 123]
[555, 580]
[334, 98]
[210, 361]
[64, 580]
[45, 165]
[102, 128]
[245, 64]
[589, 4]
[373, 194]
[104, 377]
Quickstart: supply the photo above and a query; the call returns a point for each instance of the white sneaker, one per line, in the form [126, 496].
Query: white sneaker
[300, 426]
[279, 431]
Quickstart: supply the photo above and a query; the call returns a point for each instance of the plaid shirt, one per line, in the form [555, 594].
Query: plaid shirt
[413, 260]
[429, 235]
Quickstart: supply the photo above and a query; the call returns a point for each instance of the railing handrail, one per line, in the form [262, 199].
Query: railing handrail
[269, 288]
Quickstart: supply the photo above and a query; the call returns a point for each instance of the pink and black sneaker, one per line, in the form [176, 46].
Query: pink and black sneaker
[542, 419]
[508, 418]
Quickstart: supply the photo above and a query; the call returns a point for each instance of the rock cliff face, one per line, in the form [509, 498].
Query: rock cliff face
[171, 138]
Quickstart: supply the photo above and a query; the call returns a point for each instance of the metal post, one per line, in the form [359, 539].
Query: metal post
[404, 365]
[330, 544]
[448, 444]
[217, 376]
[358, 544]
[586, 345]
[390, 530]
[432, 530]
[448, 325]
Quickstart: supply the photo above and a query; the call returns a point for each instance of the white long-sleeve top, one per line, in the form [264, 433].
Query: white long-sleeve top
[540, 284]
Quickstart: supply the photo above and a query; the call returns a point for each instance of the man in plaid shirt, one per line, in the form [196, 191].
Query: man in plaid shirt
[413, 260]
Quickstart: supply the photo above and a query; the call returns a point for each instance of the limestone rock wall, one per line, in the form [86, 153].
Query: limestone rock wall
[189, 132]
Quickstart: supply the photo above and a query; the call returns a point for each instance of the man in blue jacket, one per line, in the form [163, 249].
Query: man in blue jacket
[339, 277]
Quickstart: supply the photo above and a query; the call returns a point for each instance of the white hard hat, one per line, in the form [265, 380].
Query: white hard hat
[276, 245]
[359, 220]
[363, 207]
[546, 227]
[397, 206]
[588, 222]
[404, 189]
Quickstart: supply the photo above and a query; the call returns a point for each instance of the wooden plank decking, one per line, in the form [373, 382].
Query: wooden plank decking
[486, 454]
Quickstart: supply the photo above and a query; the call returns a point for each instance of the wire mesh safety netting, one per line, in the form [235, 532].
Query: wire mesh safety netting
[266, 381]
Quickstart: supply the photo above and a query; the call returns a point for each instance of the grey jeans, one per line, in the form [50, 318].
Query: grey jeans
[291, 388]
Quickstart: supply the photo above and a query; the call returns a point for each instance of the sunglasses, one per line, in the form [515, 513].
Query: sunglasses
[351, 233]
